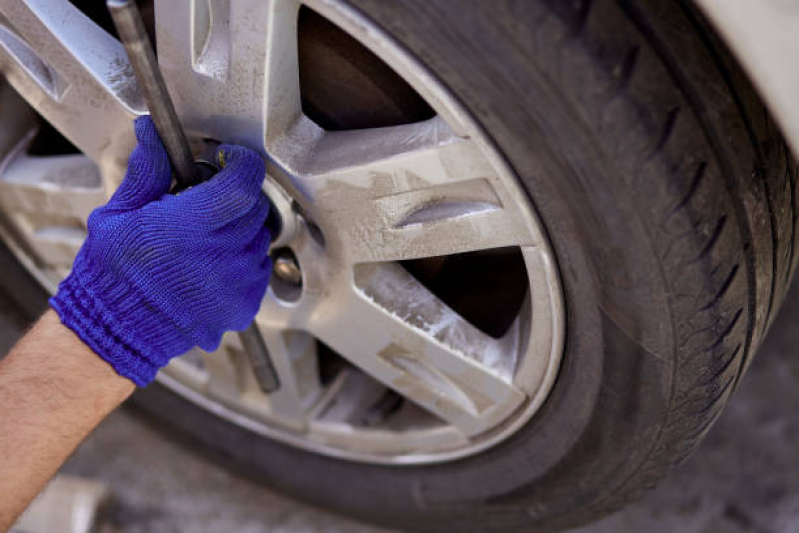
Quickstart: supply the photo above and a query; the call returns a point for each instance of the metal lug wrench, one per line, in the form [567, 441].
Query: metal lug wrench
[130, 27]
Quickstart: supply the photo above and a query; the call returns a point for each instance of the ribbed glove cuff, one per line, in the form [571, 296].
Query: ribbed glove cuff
[96, 308]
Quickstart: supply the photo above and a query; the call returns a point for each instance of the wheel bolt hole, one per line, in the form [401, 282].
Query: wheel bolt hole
[286, 282]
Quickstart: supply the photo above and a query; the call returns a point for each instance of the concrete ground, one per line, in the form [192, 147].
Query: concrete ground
[743, 478]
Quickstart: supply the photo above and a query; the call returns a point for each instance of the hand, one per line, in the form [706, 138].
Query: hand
[161, 273]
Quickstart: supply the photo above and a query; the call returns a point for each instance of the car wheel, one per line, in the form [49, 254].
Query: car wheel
[529, 247]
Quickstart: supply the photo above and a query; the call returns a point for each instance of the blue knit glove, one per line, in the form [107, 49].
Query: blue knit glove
[161, 273]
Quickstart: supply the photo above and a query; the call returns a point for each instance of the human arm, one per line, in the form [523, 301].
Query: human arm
[53, 391]
[158, 274]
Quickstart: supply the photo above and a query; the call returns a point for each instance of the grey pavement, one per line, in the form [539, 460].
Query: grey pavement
[743, 478]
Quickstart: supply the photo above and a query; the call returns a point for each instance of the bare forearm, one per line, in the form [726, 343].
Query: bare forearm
[53, 392]
[148, 284]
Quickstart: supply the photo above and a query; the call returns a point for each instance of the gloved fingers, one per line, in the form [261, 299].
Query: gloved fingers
[247, 289]
[233, 191]
[237, 235]
[252, 297]
[149, 174]
[259, 246]
[266, 266]
[257, 254]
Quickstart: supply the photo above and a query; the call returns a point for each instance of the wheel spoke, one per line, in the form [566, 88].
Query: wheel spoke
[226, 372]
[408, 192]
[229, 378]
[71, 71]
[66, 186]
[49, 199]
[231, 67]
[293, 354]
[356, 393]
[410, 341]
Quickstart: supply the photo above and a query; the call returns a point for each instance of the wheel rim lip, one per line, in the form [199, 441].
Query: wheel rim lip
[355, 24]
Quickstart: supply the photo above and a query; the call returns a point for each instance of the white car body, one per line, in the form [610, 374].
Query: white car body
[764, 35]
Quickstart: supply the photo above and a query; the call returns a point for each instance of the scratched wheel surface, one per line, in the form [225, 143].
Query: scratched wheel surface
[517, 279]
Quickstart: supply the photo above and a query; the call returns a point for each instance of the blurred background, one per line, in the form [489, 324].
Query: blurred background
[744, 477]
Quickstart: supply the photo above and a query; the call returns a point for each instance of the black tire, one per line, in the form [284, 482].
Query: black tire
[670, 201]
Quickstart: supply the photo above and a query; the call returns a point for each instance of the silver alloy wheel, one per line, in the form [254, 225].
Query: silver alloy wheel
[376, 196]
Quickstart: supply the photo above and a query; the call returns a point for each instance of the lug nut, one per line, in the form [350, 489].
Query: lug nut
[286, 268]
